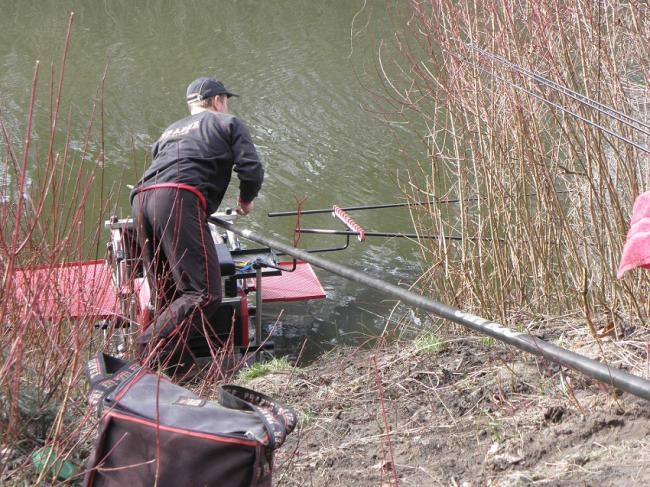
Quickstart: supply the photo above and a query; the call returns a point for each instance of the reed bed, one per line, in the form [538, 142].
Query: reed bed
[43, 353]
[544, 198]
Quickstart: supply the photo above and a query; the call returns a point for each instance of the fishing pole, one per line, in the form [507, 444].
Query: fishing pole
[363, 207]
[592, 368]
[591, 103]
[566, 110]
[384, 205]
[326, 231]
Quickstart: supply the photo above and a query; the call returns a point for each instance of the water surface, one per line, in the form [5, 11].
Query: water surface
[304, 70]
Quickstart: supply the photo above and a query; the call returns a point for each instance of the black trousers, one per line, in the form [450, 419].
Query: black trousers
[182, 267]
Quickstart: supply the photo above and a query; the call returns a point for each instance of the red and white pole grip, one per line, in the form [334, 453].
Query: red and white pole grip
[349, 222]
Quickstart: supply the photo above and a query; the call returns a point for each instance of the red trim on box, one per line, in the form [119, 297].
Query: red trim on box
[205, 436]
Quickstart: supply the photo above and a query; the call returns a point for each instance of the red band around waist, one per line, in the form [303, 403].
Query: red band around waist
[186, 187]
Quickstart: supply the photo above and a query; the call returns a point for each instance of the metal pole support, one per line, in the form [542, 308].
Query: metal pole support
[258, 312]
[592, 368]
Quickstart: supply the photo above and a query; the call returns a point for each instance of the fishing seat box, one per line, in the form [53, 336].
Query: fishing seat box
[154, 432]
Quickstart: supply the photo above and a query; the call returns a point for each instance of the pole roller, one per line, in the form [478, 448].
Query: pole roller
[591, 368]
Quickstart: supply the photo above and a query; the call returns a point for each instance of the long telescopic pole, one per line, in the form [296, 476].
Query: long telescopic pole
[562, 108]
[327, 231]
[384, 205]
[634, 123]
[364, 207]
[592, 368]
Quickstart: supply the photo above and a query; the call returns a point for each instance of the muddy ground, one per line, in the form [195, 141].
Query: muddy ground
[467, 413]
[453, 410]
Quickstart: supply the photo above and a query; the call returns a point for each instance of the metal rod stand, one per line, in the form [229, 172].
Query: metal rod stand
[602, 372]
[258, 312]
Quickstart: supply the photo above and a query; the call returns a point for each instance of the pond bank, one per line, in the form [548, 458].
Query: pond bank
[440, 410]
[462, 411]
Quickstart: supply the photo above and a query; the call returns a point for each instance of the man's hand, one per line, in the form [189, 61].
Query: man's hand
[244, 208]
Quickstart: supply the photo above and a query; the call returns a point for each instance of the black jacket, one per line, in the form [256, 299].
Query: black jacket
[201, 151]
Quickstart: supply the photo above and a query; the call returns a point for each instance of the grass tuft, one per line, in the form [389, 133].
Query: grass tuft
[260, 369]
[429, 344]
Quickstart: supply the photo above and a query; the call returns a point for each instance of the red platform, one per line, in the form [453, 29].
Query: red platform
[85, 290]
[299, 285]
[74, 290]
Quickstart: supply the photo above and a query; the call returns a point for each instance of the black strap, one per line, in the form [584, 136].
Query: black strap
[103, 366]
[279, 419]
[105, 373]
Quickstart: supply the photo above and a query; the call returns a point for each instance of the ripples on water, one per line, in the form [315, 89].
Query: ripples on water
[300, 96]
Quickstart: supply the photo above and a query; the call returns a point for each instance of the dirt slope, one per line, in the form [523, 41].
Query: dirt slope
[466, 415]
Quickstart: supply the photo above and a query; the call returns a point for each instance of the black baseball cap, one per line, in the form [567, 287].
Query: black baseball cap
[203, 88]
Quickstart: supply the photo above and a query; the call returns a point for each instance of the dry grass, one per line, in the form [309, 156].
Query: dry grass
[543, 198]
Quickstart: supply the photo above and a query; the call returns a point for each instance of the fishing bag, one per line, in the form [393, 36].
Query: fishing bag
[154, 432]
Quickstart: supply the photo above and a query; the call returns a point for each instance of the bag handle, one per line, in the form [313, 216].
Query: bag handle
[103, 366]
[105, 373]
[279, 419]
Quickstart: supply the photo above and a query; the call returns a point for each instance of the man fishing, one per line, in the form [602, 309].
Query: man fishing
[192, 165]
